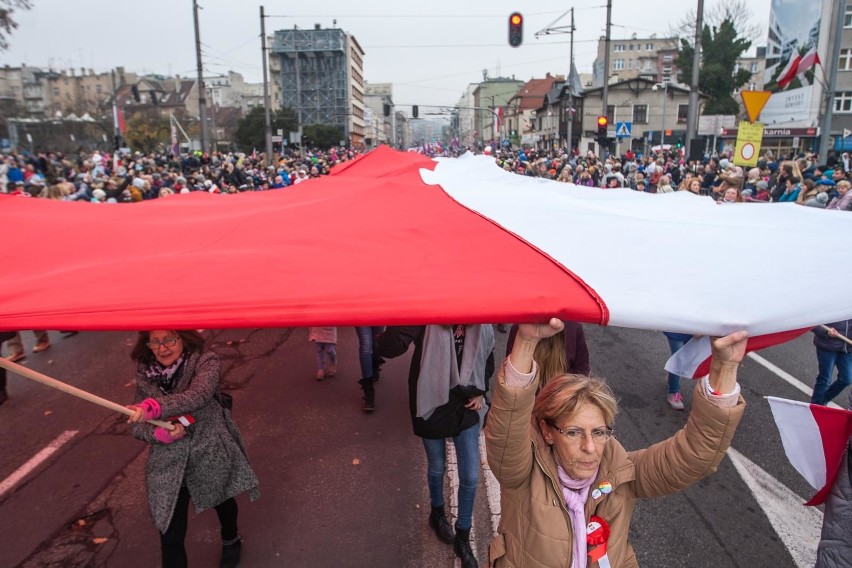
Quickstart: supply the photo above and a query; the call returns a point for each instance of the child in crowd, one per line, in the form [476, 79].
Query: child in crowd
[325, 339]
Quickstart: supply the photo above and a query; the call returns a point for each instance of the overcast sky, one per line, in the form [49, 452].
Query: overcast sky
[430, 50]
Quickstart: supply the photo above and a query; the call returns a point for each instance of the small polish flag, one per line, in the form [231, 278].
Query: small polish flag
[693, 359]
[814, 439]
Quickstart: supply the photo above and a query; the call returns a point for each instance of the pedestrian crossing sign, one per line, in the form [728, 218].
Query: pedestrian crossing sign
[623, 129]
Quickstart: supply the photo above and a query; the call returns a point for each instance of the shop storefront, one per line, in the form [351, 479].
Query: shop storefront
[779, 141]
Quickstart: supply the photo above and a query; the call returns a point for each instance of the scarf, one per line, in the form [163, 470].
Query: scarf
[164, 377]
[575, 493]
[439, 368]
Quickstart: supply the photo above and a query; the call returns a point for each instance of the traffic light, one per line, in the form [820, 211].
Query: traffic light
[386, 109]
[516, 29]
[415, 111]
[603, 124]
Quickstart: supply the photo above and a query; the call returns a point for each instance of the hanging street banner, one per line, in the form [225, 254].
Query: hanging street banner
[749, 137]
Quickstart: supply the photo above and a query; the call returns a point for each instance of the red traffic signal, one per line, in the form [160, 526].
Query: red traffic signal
[516, 29]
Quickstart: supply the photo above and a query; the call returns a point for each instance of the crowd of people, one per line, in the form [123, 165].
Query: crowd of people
[799, 179]
[126, 178]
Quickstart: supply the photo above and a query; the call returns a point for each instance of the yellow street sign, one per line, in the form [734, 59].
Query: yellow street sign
[754, 102]
[749, 137]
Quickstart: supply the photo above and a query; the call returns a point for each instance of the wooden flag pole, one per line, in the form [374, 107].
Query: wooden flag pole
[66, 388]
[839, 335]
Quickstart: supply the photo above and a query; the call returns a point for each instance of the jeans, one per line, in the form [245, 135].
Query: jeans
[828, 360]
[322, 349]
[467, 456]
[171, 541]
[676, 341]
[365, 348]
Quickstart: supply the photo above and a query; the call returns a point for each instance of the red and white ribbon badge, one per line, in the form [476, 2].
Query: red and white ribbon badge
[597, 534]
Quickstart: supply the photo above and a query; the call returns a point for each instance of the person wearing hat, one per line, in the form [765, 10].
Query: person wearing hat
[761, 192]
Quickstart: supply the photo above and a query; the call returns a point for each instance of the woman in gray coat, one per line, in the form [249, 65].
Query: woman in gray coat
[204, 457]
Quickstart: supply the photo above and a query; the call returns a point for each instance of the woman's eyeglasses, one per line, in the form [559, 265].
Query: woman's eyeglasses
[575, 434]
[167, 341]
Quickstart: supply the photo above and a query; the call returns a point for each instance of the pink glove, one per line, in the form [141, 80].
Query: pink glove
[151, 408]
[164, 436]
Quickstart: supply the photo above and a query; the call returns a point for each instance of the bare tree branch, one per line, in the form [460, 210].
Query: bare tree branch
[735, 10]
[7, 23]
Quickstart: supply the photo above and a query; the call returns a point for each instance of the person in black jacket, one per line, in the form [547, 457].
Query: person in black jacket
[447, 382]
[832, 351]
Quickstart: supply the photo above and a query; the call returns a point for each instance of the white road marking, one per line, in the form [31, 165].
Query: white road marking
[782, 374]
[35, 461]
[797, 526]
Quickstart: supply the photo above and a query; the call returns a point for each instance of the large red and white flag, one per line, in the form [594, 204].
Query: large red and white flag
[398, 238]
[814, 439]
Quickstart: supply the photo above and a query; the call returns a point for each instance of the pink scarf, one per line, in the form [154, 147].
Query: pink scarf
[576, 493]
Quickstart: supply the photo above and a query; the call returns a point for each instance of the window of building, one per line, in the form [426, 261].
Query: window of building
[649, 47]
[847, 18]
[753, 67]
[618, 64]
[843, 101]
[619, 47]
[682, 113]
[640, 114]
[630, 64]
[845, 62]
[55, 92]
[667, 58]
[98, 89]
[631, 47]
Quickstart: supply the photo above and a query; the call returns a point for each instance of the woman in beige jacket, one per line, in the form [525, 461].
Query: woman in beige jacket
[567, 486]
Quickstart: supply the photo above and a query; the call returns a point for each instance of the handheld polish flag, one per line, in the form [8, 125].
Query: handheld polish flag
[814, 438]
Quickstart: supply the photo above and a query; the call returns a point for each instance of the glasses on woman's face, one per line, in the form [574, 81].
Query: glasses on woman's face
[167, 341]
[575, 435]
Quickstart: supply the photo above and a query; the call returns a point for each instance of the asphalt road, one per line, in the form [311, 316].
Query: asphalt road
[341, 488]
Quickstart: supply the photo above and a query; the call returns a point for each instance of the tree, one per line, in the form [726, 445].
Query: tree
[737, 11]
[7, 24]
[720, 48]
[147, 130]
[251, 130]
[322, 135]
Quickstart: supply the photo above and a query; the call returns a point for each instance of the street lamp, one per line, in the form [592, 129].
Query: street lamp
[665, 87]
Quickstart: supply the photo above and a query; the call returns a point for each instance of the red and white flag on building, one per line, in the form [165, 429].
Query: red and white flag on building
[789, 72]
[498, 122]
[808, 60]
[118, 118]
[814, 439]
[797, 66]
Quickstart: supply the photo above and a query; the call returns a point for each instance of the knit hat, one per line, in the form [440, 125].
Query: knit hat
[762, 185]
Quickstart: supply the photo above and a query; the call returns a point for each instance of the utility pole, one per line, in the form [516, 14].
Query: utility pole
[202, 103]
[266, 101]
[566, 30]
[605, 95]
[834, 58]
[571, 89]
[692, 115]
[116, 134]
